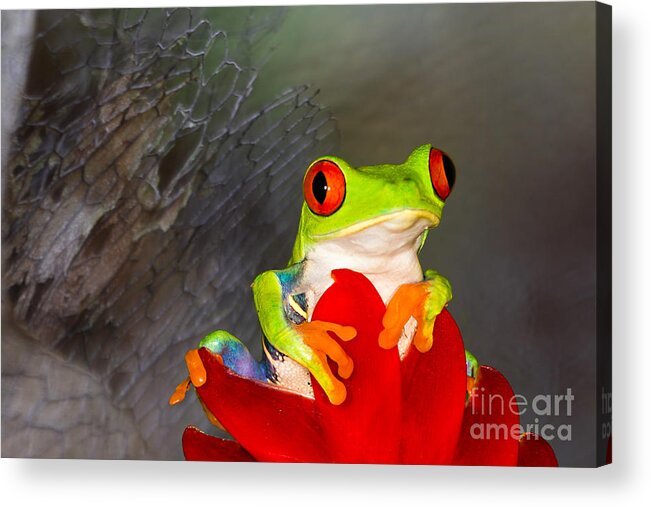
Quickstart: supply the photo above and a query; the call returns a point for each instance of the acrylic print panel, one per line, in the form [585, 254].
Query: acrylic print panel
[157, 162]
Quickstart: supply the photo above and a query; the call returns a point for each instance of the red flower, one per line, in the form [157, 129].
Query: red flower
[414, 410]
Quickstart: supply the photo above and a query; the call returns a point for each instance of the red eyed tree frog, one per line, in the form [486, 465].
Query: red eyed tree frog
[373, 220]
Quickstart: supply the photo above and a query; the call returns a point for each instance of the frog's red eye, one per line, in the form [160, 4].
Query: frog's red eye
[324, 187]
[441, 172]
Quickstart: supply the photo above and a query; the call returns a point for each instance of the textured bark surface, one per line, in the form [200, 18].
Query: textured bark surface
[143, 191]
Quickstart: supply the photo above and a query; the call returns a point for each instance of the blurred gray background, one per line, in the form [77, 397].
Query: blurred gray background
[508, 90]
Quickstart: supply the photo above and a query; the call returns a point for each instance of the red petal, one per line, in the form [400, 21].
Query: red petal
[534, 451]
[272, 424]
[198, 446]
[434, 396]
[489, 425]
[365, 428]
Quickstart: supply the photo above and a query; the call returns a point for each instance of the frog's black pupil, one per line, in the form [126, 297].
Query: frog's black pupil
[450, 171]
[320, 187]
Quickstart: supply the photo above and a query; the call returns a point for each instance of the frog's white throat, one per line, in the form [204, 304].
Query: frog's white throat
[385, 250]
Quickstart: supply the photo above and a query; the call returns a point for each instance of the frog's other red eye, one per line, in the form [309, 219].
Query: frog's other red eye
[441, 172]
[324, 187]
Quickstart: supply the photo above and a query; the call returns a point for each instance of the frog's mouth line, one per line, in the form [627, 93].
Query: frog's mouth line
[403, 220]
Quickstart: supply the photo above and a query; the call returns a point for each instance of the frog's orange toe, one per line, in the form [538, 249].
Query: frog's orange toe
[345, 368]
[423, 339]
[334, 388]
[390, 336]
[179, 393]
[195, 367]
[345, 333]
[337, 394]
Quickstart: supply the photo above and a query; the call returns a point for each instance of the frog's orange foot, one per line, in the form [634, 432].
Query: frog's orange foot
[197, 376]
[410, 300]
[195, 368]
[317, 336]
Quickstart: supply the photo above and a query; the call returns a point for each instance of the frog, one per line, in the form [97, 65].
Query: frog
[370, 219]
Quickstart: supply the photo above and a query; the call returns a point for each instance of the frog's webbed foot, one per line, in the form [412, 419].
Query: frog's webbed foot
[421, 300]
[197, 376]
[314, 349]
[230, 351]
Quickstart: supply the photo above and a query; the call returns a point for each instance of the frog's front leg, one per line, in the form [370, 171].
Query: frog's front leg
[307, 343]
[423, 301]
